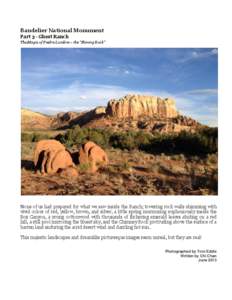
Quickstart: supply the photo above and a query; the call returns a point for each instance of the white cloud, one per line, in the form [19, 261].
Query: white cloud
[71, 99]
[45, 73]
[197, 54]
[214, 51]
[202, 54]
[201, 92]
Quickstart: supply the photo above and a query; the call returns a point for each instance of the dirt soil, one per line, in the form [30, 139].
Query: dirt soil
[129, 173]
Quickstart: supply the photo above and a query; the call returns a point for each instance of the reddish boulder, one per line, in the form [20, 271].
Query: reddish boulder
[58, 160]
[45, 146]
[94, 155]
[84, 152]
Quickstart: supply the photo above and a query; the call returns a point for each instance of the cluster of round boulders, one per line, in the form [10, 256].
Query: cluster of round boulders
[51, 157]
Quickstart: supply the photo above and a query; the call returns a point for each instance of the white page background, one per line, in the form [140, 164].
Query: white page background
[112, 269]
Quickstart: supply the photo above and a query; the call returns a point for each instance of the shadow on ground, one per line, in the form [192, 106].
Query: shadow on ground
[27, 164]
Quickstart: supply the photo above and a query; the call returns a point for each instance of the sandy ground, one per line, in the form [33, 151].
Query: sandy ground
[129, 173]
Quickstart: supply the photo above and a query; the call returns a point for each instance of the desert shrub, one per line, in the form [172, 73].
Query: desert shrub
[212, 158]
[77, 136]
[27, 149]
[73, 136]
[160, 143]
[85, 167]
[129, 140]
[26, 137]
[34, 136]
[40, 136]
[99, 137]
[60, 137]
[123, 140]
[202, 142]
[179, 157]
[143, 138]
[126, 166]
[154, 168]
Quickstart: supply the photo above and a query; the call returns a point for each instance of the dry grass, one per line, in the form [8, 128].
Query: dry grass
[129, 173]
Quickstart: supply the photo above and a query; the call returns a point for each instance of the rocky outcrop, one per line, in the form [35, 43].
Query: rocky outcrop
[66, 116]
[92, 156]
[134, 106]
[99, 111]
[173, 125]
[54, 161]
[131, 112]
[42, 147]
[186, 121]
[50, 156]
[66, 120]
[170, 128]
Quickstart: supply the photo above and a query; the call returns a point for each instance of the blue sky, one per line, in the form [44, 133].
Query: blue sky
[77, 79]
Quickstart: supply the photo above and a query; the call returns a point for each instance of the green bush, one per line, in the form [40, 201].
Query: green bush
[203, 142]
[26, 137]
[40, 136]
[130, 140]
[123, 140]
[77, 136]
[33, 137]
[85, 167]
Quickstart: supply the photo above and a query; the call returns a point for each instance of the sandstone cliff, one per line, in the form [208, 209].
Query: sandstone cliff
[134, 106]
[132, 112]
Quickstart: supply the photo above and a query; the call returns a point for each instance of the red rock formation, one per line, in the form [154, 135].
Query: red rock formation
[58, 160]
[45, 146]
[134, 106]
[53, 161]
[84, 152]
[92, 154]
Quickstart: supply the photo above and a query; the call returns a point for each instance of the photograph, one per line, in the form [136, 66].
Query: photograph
[119, 121]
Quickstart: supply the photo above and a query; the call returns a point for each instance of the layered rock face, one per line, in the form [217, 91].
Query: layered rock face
[134, 106]
[131, 112]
